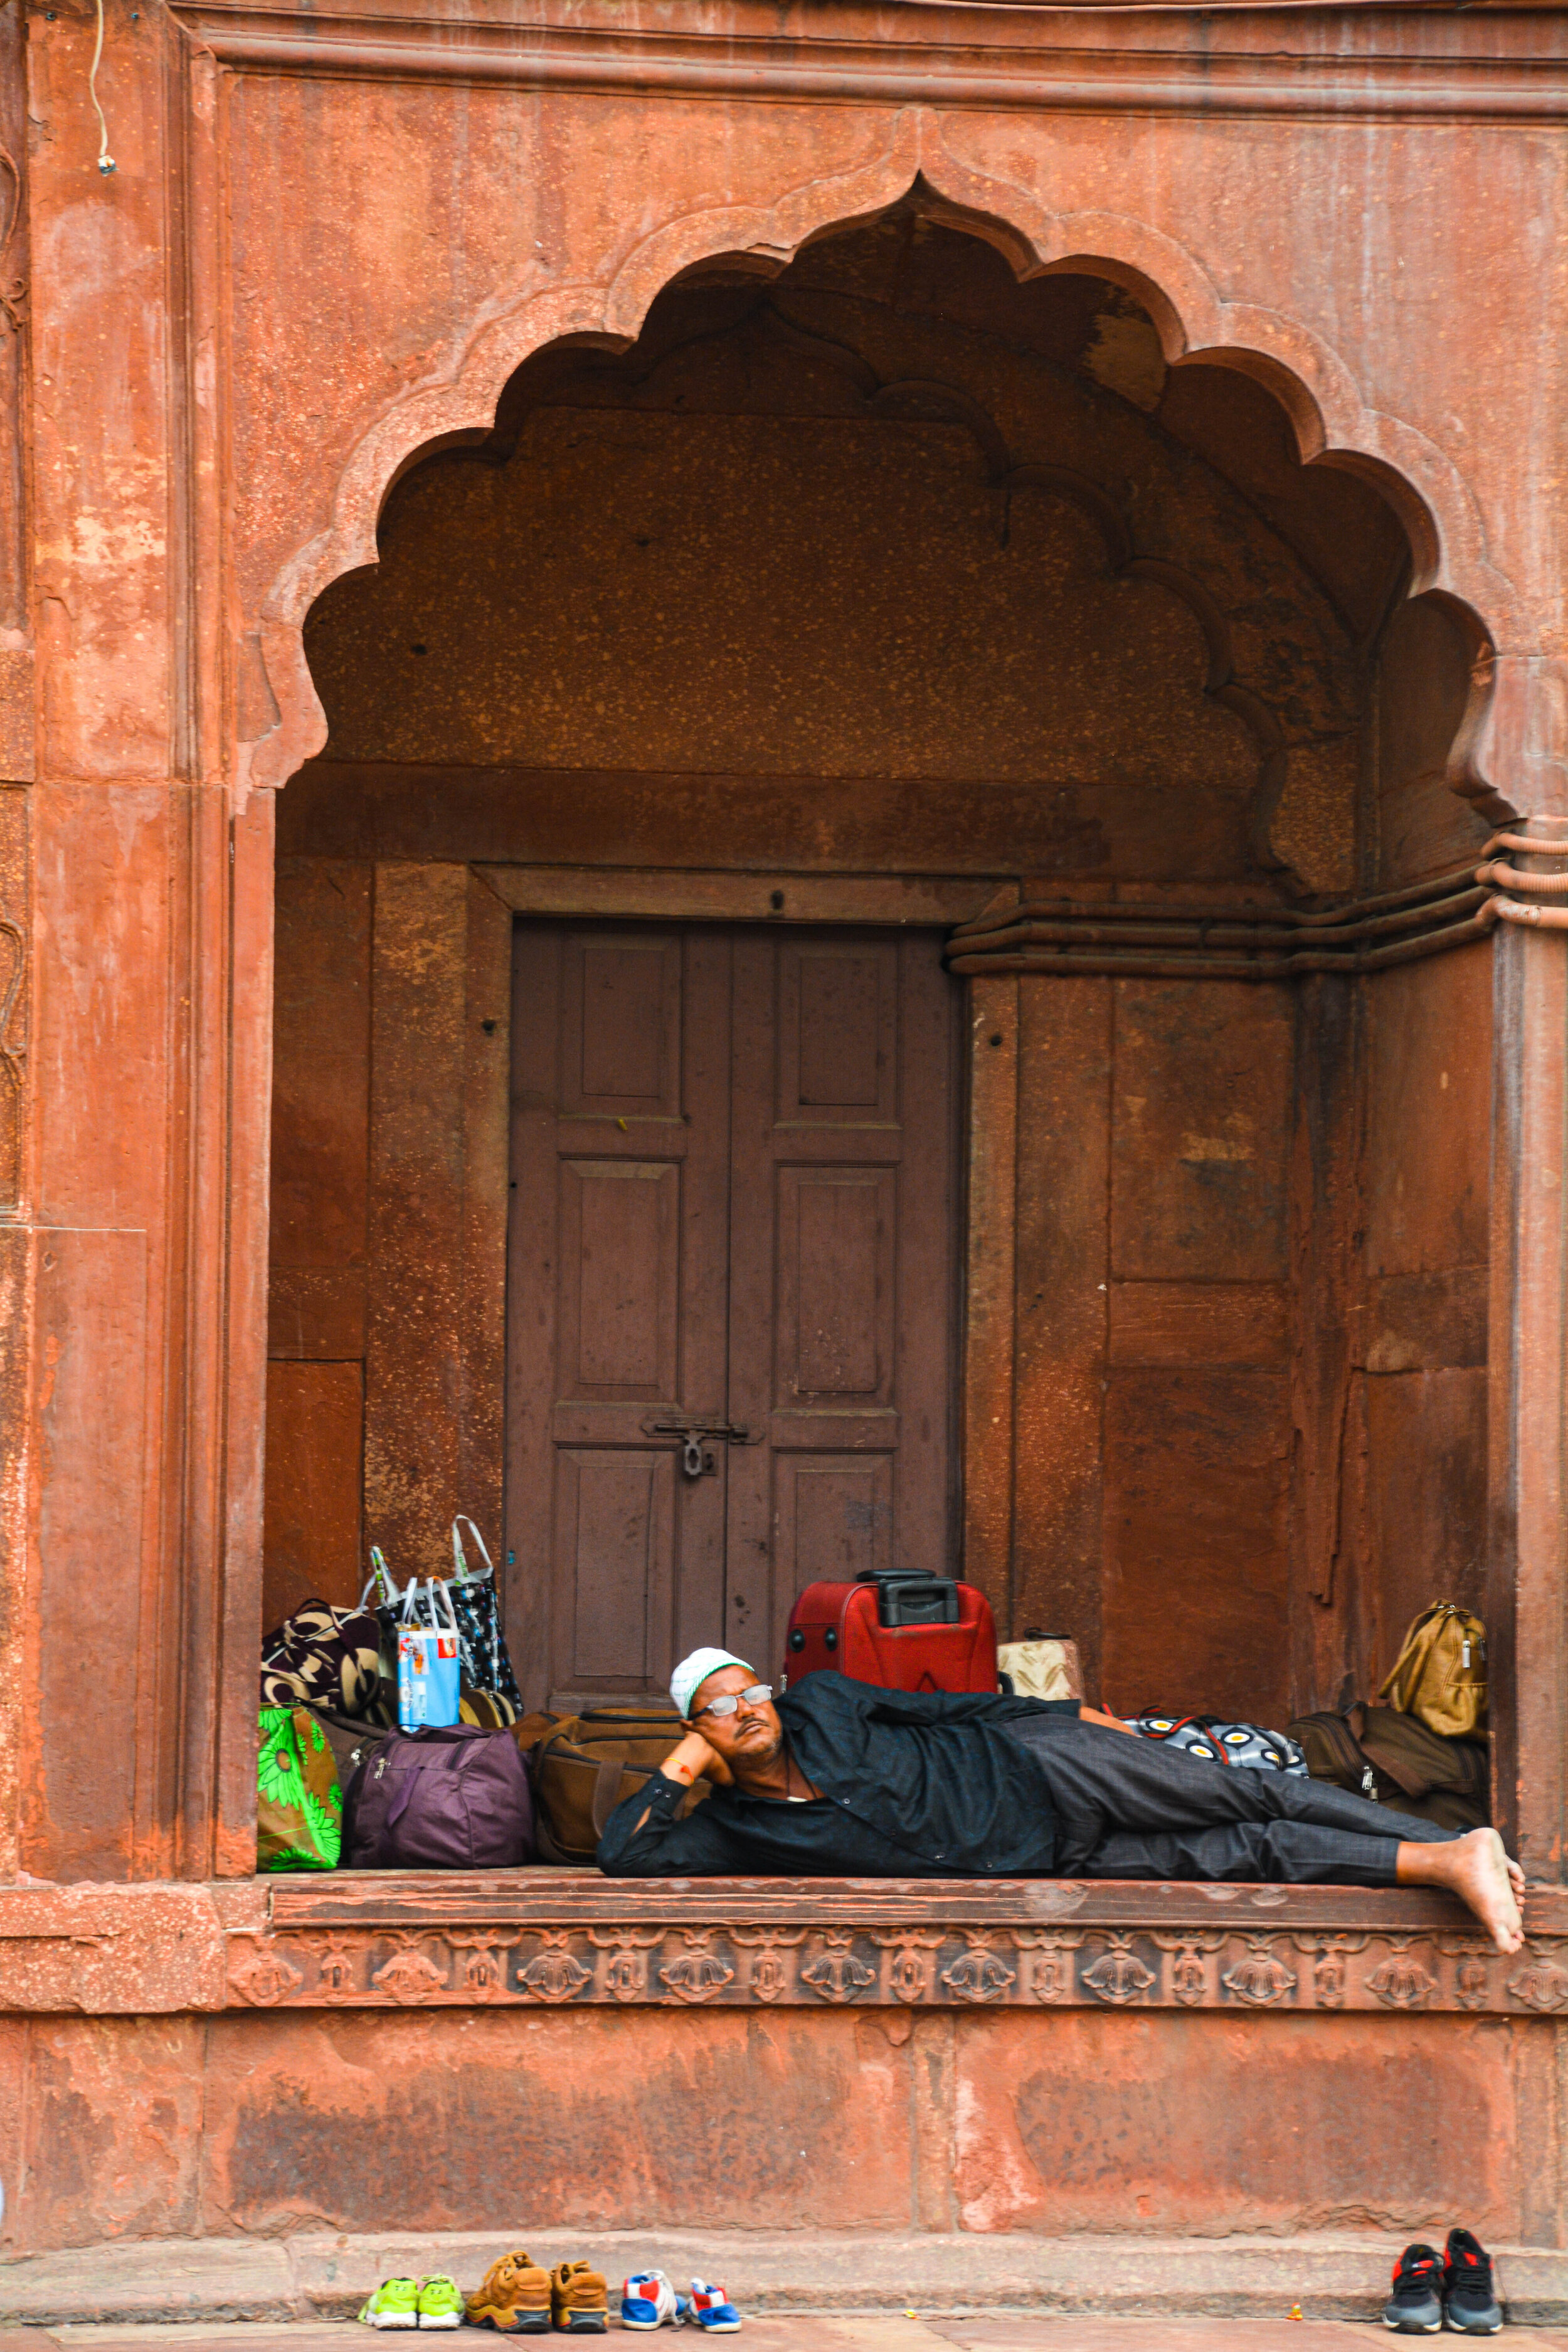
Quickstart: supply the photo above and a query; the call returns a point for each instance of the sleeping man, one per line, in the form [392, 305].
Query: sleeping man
[843, 1780]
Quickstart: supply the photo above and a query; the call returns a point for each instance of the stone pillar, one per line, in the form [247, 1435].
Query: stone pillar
[1527, 1605]
[134, 1438]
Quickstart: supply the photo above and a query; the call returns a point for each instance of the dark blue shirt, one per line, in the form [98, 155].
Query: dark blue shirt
[915, 1784]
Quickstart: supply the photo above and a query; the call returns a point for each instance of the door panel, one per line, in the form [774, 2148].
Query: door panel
[621, 1047]
[842, 1267]
[837, 1232]
[615, 1307]
[833, 1517]
[837, 1030]
[734, 1160]
[614, 1529]
[620, 1260]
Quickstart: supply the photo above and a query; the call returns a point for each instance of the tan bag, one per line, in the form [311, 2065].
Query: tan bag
[1440, 1675]
[584, 1765]
[1045, 1667]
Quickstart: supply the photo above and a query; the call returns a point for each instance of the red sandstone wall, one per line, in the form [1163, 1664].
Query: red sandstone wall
[1421, 1409]
[389, 1154]
[1081, 2121]
[223, 456]
[1422, 1404]
[1153, 1435]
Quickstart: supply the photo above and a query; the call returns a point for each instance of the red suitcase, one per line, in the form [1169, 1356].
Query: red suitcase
[905, 1631]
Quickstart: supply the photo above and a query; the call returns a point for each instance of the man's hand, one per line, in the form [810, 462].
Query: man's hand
[688, 1763]
[693, 1761]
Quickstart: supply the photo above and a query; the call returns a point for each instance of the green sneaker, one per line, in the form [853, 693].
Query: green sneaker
[440, 2303]
[394, 2303]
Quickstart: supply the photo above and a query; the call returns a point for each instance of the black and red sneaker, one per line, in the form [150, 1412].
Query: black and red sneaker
[1470, 2306]
[1416, 2306]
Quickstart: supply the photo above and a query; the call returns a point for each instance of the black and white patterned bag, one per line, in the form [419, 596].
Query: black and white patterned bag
[475, 1604]
[1214, 1742]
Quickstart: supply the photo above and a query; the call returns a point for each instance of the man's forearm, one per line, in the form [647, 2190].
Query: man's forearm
[684, 1764]
[689, 1761]
[643, 1838]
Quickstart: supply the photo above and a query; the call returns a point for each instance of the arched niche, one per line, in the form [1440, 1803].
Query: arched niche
[891, 515]
[898, 561]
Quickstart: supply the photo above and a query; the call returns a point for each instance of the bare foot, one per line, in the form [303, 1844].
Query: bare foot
[1476, 1868]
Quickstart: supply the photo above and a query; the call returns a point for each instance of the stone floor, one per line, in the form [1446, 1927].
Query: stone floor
[802, 2332]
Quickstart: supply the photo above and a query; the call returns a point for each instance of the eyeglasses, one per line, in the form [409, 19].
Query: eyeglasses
[730, 1702]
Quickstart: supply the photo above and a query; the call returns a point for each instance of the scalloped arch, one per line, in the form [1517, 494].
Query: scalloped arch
[1330, 423]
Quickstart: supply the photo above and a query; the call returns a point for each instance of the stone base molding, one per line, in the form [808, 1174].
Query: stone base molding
[564, 1939]
[1336, 2276]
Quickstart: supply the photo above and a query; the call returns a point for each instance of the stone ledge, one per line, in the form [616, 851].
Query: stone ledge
[109, 1950]
[542, 1896]
[575, 1938]
[427, 1939]
[1340, 2276]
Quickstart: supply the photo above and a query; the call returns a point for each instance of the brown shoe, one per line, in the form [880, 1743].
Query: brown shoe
[579, 2299]
[514, 2298]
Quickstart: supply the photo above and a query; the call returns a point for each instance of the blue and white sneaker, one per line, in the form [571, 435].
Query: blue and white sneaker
[712, 2308]
[647, 2300]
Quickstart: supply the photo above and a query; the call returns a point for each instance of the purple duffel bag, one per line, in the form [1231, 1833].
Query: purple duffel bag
[447, 1798]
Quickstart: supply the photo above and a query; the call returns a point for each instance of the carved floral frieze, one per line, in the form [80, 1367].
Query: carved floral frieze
[923, 1965]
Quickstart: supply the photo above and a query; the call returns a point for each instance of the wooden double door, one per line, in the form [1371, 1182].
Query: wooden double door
[733, 1286]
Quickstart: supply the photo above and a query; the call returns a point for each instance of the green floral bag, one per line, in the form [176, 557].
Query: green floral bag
[299, 1806]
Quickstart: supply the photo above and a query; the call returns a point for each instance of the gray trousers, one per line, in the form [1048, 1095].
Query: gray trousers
[1133, 1808]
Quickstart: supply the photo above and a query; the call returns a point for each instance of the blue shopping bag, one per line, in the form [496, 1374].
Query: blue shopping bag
[428, 1659]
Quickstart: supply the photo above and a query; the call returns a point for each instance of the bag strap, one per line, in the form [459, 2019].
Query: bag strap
[464, 1573]
[380, 1582]
[411, 1606]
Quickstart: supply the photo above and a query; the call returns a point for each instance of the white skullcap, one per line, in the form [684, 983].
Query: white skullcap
[693, 1672]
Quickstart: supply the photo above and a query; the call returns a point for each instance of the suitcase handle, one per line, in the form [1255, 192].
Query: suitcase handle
[908, 1597]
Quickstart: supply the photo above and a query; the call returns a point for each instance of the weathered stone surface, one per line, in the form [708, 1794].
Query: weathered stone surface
[1174, 377]
[113, 1949]
[556, 1940]
[855, 2293]
[571, 1940]
[1206, 249]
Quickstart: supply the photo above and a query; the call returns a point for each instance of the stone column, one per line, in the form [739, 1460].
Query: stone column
[129, 1586]
[1528, 1604]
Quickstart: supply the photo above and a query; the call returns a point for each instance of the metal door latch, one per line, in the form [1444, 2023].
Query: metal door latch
[695, 1457]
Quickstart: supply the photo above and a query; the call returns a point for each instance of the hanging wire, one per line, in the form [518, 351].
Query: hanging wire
[105, 160]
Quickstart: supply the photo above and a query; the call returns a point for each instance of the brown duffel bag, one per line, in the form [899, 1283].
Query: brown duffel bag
[582, 1767]
[1377, 1752]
